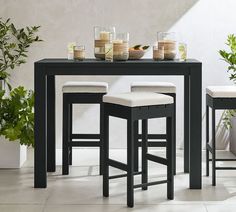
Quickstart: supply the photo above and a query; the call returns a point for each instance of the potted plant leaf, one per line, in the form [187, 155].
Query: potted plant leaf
[16, 104]
[229, 119]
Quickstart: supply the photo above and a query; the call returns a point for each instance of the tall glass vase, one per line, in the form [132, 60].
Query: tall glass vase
[102, 36]
[121, 46]
[167, 41]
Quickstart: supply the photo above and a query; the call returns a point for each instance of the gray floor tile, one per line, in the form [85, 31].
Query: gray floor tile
[221, 208]
[21, 208]
[82, 189]
[118, 208]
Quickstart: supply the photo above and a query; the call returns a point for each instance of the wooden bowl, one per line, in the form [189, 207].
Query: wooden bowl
[136, 54]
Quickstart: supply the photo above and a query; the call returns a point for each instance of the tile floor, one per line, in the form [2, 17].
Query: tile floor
[82, 189]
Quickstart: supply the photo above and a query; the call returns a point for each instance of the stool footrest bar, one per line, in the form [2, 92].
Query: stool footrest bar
[157, 159]
[85, 136]
[123, 175]
[117, 164]
[154, 136]
[150, 184]
[226, 168]
[85, 143]
[154, 144]
[223, 159]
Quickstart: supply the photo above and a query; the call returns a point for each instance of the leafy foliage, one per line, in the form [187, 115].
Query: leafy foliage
[16, 109]
[228, 114]
[14, 45]
[230, 58]
[17, 115]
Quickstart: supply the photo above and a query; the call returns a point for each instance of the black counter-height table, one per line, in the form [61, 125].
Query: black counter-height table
[44, 80]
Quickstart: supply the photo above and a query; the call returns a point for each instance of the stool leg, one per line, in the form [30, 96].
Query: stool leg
[70, 127]
[65, 131]
[186, 123]
[174, 135]
[207, 140]
[130, 163]
[101, 148]
[213, 149]
[105, 155]
[136, 146]
[144, 153]
[170, 138]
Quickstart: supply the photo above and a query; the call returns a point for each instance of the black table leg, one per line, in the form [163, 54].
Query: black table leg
[51, 147]
[40, 164]
[65, 135]
[186, 123]
[196, 127]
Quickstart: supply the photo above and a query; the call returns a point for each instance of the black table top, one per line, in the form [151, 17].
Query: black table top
[95, 61]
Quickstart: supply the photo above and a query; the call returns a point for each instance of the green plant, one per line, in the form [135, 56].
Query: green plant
[14, 44]
[17, 108]
[229, 56]
[17, 115]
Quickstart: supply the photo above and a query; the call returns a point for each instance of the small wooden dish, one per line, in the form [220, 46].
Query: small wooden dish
[136, 54]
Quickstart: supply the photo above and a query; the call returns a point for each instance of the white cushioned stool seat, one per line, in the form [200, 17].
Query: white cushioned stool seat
[157, 87]
[136, 99]
[221, 91]
[85, 87]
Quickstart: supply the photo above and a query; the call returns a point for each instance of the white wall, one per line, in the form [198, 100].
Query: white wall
[203, 24]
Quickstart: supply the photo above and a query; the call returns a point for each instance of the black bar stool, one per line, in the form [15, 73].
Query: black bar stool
[80, 93]
[156, 140]
[134, 106]
[218, 98]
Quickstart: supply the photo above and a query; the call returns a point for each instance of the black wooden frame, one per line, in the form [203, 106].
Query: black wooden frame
[155, 140]
[69, 99]
[216, 104]
[132, 115]
[46, 70]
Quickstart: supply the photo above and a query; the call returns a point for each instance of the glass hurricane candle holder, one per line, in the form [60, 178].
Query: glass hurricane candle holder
[168, 41]
[158, 53]
[102, 36]
[70, 50]
[182, 51]
[79, 52]
[121, 47]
